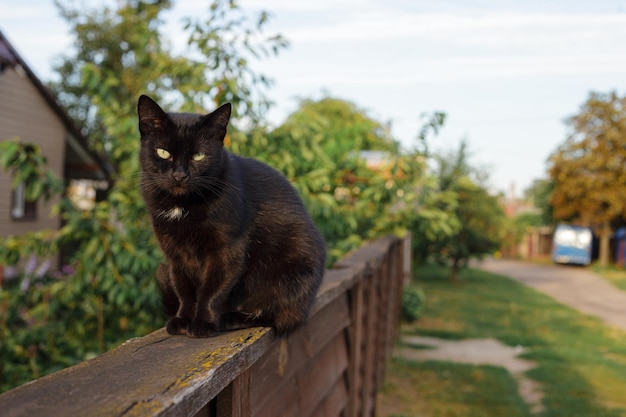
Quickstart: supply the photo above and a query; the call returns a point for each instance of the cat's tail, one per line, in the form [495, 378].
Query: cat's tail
[168, 296]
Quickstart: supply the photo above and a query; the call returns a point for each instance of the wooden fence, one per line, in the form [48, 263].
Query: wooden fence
[330, 367]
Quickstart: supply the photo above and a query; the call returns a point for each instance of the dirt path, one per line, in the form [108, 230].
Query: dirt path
[576, 287]
[477, 352]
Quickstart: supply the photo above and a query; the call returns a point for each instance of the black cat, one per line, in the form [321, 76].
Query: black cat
[241, 249]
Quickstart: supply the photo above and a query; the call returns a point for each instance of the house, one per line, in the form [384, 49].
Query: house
[31, 113]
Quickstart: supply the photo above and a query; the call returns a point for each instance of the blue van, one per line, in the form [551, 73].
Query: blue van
[572, 245]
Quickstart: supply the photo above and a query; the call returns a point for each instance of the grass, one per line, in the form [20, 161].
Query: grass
[613, 274]
[581, 363]
[434, 388]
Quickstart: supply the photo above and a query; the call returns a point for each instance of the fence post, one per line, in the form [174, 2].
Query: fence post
[234, 400]
[355, 334]
[406, 257]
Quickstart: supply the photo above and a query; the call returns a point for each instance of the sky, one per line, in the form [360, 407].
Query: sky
[506, 73]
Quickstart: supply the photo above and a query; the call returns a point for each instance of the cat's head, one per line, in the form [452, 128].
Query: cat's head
[181, 153]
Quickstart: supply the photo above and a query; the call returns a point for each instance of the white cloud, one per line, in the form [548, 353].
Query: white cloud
[405, 49]
[457, 70]
[495, 29]
[283, 6]
[19, 12]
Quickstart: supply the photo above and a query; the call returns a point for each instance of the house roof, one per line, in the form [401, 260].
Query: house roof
[82, 162]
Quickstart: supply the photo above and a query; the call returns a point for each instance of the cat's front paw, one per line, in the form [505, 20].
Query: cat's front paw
[176, 325]
[202, 329]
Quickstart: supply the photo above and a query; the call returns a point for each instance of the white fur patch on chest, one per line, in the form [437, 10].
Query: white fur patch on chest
[175, 213]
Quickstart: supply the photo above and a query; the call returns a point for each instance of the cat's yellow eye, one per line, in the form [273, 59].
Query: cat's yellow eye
[199, 156]
[162, 153]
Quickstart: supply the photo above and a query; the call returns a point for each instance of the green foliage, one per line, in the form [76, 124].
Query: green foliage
[481, 218]
[431, 123]
[525, 221]
[50, 321]
[123, 52]
[413, 299]
[516, 228]
[318, 149]
[434, 222]
[28, 166]
[539, 194]
[475, 221]
[588, 169]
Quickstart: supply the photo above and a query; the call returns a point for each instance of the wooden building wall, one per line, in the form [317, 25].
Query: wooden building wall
[24, 113]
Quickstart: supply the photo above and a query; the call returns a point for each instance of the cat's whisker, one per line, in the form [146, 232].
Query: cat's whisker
[216, 190]
[220, 184]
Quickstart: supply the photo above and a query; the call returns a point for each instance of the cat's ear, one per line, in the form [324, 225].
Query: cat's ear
[152, 118]
[219, 117]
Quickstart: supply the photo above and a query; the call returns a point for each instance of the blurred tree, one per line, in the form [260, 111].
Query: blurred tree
[479, 218]
[318, 148]
[482, 225]
[452, 165]
[539, 194]
[123, 52]
[348, 128]
[434, 220]
[589, 171]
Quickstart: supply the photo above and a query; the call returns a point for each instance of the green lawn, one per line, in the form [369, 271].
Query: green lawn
[615, 275]
[581, 363]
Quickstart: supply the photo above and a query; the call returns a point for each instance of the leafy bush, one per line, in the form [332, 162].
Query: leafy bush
[413, 298]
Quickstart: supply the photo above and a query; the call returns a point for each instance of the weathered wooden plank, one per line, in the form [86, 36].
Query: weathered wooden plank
[283, 402]
[279, 364]
[397, 277]
[370, 254]
[234, 400]
[209, 410]
[335, 403]
[155, 375]
[355, 344]
[383, 284]
[337, 282]
[393, 281]
[318, 377]
[370, 346]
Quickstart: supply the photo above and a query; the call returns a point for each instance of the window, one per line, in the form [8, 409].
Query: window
[21, 209]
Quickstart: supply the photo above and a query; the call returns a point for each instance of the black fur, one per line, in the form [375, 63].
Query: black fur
[241, 249]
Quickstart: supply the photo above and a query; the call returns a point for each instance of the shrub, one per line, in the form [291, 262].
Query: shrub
[413, 298]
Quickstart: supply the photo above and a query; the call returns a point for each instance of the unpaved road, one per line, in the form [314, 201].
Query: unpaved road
[576, 287]
[573, 286]
[478, 352]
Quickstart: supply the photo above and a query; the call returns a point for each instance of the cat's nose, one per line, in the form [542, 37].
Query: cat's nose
[179, 175]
